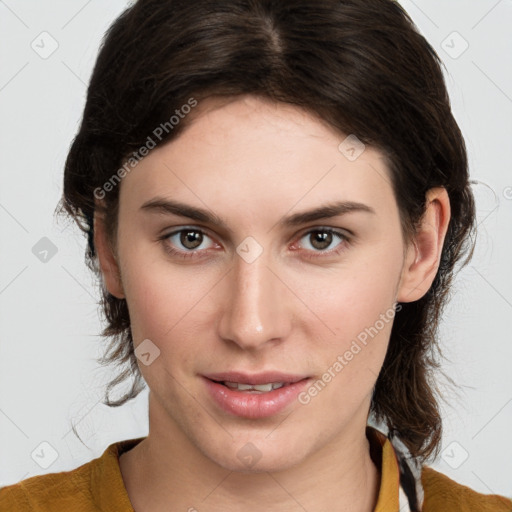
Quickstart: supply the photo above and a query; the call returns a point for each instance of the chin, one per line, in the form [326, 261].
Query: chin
[267, 464]
[258, 456]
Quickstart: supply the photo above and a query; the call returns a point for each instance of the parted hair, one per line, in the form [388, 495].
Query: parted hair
[359, 65]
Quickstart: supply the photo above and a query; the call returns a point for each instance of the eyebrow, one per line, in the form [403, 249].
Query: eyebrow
[166, 206]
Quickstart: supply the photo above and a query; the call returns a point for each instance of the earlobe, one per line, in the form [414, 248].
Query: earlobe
[107, 260]
[424, 252]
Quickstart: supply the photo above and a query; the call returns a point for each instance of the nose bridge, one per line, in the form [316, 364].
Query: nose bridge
[254, 309]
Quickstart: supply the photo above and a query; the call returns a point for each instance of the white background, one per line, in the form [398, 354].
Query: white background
[49, 322]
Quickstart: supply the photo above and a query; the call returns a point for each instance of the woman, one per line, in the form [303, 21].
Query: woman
[275, 195]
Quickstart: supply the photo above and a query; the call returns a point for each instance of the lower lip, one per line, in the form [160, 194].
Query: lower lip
[254, 405]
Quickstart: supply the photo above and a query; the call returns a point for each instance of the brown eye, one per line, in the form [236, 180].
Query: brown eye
[191, 239]
[321, 240]
[187, 242]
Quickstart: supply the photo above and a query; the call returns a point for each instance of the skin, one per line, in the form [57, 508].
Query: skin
[252, 163]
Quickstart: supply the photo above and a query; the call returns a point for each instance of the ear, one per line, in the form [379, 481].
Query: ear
[424, 250]
[107, 258]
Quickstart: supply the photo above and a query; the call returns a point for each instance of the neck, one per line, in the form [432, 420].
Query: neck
[167, 472]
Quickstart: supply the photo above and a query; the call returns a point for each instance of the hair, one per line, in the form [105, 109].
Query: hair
[359, 65]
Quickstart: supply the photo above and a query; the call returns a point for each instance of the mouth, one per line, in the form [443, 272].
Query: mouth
[255, 388]
[261, 382]
[254, 396]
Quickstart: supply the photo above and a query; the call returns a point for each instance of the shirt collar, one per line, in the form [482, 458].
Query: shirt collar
[401, 487]
[107, 485]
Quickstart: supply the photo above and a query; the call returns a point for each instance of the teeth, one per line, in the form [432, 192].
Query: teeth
[262, 388]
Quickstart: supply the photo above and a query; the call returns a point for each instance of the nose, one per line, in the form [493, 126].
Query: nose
[256, 306]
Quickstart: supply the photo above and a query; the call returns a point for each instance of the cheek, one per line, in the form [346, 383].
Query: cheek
[166, 308]
[361, 316]
[354, 296]
[357, 304]
[162, 297]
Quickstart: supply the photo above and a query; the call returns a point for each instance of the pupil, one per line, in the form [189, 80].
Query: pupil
[191, 239]
[322, 239]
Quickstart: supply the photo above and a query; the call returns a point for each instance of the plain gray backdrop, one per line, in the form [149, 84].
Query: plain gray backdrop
[49, 321]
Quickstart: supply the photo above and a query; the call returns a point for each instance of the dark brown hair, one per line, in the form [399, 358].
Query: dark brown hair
[359, 65]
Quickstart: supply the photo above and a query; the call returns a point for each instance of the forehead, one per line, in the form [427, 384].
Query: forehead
[254, 153]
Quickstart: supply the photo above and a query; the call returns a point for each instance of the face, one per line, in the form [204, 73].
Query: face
[252, 290]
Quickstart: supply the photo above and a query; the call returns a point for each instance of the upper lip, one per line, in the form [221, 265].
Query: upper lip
[255, 378]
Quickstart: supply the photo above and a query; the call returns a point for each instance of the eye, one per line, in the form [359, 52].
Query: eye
[188, 241]
[320, 239]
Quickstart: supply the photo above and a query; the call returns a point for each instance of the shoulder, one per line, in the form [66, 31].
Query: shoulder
[446, 495]
[84, 489]
[53, 491]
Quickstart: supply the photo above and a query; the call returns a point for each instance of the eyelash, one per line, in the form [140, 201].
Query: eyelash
[193, 254]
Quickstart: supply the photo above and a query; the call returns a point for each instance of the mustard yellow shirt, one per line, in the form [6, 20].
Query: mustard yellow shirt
[98, 486]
